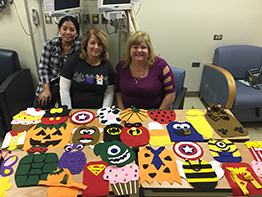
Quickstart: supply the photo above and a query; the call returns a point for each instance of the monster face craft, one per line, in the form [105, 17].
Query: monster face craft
[115, 153]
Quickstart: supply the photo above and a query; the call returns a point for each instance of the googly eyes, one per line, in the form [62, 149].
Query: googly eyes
[87, 131]
[113, 150]
[181, 126]
[80, 146]
[221, 144]
[68, 148]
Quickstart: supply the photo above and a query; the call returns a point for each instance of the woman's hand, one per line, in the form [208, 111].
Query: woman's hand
[46, 96]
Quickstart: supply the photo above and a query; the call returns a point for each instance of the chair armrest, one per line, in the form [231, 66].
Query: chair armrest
[218, 86]
[179, 100]
[16, 94]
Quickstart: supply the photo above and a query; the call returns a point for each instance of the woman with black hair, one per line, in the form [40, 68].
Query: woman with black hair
[54, 54]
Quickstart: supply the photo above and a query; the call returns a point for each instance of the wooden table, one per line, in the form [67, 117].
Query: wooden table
[222, 189]
[180, 116]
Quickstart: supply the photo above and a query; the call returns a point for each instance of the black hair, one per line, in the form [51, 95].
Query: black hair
[73, 20]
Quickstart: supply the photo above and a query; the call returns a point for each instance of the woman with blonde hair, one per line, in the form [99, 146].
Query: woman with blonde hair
[87, 78]
[143, 79]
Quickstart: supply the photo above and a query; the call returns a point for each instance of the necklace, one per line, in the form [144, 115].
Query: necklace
[134, 77]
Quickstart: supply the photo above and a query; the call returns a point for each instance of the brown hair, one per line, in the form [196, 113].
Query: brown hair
[136, 39]
[102, 37]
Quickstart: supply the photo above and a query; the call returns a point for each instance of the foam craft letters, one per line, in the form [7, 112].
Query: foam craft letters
[159, 165]
[183, 131]
[242, 179]
[93, 179]
[224, 151]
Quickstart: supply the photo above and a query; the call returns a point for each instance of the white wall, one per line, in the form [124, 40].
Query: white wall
[181, 30]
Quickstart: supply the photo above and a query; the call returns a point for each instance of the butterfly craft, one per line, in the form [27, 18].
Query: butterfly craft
[6, 165]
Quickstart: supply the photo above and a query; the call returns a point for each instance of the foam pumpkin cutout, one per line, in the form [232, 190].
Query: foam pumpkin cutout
[86, 135]
[51, 136]
[115, 153]
[56, 115]
[133, 115]
[134, 134]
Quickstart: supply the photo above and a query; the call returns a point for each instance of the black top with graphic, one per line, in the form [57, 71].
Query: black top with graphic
[88, 83]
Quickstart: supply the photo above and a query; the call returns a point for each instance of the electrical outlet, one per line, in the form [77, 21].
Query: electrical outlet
[48, 19]
[218, 37]
[196, 64]
[95, 18]
[104, 20]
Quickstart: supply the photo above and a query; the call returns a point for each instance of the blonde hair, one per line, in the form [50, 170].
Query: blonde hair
[136, 39]
[102, 37]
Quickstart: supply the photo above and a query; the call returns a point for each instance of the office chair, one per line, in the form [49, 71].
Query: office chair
[180, 75]
[16, 88]
[220, 81]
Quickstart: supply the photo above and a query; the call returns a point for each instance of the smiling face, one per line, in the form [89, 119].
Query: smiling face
[68, 32]
[115, 153]
[86, 135]
[139, 53]
[94, 47]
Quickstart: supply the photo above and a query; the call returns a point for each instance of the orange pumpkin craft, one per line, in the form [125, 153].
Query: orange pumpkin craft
[50, 136]
[133, 115]
[159, 165]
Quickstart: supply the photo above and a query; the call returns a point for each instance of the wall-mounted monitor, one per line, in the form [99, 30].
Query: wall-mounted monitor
[113, 5]
[65, 7]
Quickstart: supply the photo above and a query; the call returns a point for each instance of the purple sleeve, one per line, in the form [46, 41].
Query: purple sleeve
[162, 64]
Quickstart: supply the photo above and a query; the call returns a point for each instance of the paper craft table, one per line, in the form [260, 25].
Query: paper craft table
[222, 189]
[149, 189]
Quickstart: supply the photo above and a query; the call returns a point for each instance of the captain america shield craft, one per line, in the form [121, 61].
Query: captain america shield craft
[82, 117]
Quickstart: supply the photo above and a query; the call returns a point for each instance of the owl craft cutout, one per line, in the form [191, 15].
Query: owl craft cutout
[183, 131]
[88, 135]
[74, 161]
[224, 151]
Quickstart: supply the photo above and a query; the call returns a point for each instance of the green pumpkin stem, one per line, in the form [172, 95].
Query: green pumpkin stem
[134, 109]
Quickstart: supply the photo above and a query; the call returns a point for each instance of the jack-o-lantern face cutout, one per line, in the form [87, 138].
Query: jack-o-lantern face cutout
[56, 115]
[51, 136]
[134, 135]
[112, 132]
[86, 135]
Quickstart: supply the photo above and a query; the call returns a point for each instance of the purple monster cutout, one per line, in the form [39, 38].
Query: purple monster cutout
[74, 161]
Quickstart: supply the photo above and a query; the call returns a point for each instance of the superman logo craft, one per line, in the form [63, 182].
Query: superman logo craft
[82, 117]
[93, 178]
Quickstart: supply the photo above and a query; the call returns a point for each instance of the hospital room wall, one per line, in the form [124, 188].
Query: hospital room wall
[181, 31]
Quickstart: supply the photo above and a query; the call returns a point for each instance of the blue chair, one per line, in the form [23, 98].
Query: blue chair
[16, 88]
[220, 81]
[180, 75]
